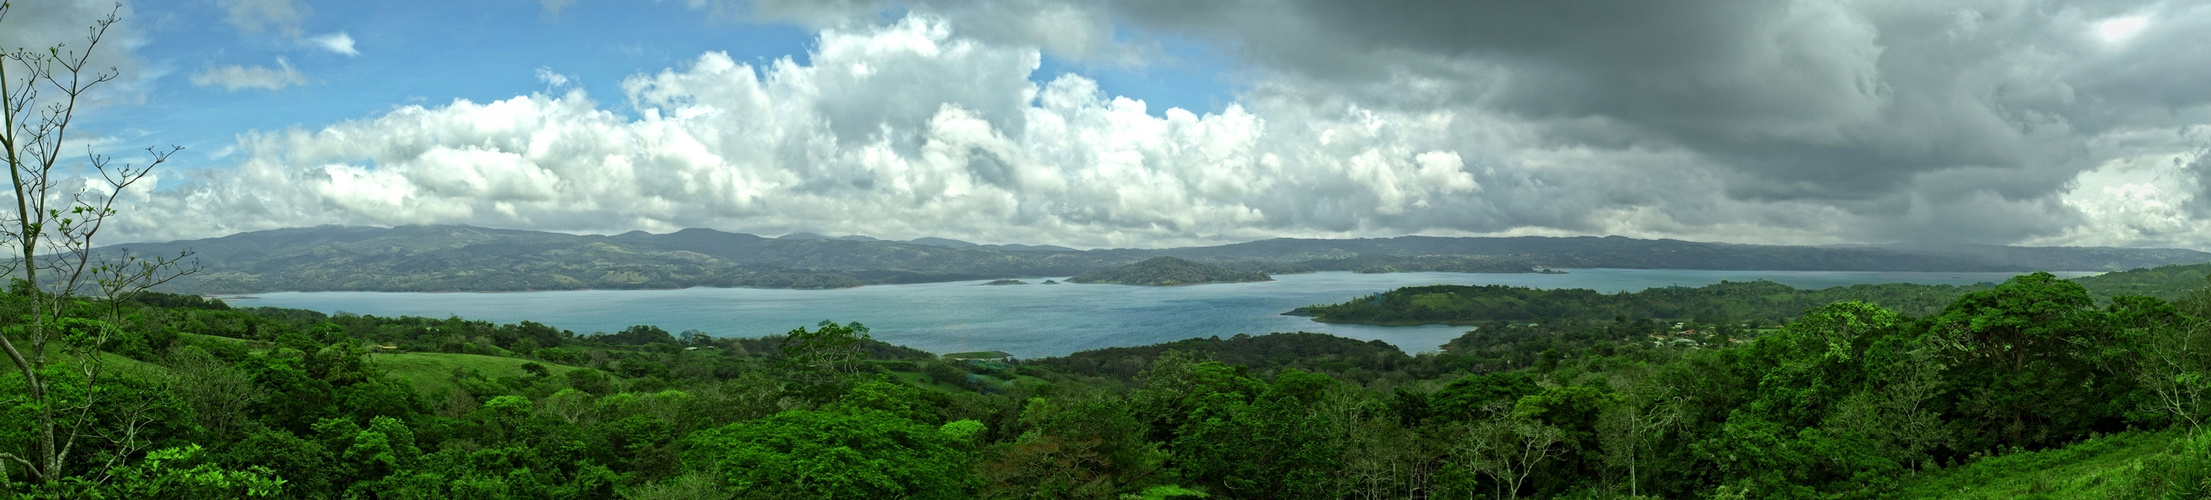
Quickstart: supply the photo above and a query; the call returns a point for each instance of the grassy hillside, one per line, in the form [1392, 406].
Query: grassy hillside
[2104, 467]
[432, 372]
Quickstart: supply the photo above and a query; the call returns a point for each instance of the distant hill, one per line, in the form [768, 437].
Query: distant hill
[940, 242]
[1760, 300]
[463, 258]
[2164, 282]
[1168, 271]
[1631, 253]
[1734, 301]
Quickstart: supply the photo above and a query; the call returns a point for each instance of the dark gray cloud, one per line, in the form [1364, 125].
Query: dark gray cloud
[1927, 120]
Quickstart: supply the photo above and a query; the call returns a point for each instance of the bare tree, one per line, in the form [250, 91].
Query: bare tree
[2174, 363]
[1507, 448]
[218, 393]
[1646, 413]
[60, 208]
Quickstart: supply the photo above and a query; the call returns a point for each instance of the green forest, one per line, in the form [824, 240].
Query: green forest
[2024, 388]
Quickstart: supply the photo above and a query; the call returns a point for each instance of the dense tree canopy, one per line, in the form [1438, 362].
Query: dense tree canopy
[1850, 399]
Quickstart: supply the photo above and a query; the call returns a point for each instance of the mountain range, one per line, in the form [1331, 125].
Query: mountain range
[465, 258]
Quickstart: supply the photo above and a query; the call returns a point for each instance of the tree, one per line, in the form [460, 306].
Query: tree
[1646, 410]
[1898, 413]
[53, 226]
[2173, 364]
[831, 348]
[2027, 354]
[1507, 448]
[219, 394]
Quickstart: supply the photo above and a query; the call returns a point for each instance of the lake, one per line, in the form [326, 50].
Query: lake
[1029, 320]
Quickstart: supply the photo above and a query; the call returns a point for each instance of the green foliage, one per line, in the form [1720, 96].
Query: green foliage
[1084, 447]
[637, 335]
[1480, 397]
[856, 453]
[1269, 446]
[184, 472]
[304, 465]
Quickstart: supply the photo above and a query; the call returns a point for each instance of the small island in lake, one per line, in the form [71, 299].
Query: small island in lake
[1050, 282]
[1168, 271]
[1007, 282]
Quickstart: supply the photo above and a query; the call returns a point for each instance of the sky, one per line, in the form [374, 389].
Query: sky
[1153, 123]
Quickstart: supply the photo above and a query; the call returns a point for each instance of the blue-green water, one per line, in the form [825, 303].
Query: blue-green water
[1028, 320]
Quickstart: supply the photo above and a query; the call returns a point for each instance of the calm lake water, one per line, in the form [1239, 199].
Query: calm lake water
[1028, 320]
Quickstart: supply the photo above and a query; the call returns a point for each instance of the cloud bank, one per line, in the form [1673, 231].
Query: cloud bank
[1777, 122]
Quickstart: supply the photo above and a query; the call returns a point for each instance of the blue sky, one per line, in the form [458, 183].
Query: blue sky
[1143, 123]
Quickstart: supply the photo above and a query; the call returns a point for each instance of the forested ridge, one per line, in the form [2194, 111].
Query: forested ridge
[1852, 400]
[1168, 271]
[1716, 303]
[465, 258]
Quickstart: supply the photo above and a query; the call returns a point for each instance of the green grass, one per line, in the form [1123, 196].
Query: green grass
[1436, 300]
[115, 364]
[214, 338]
[432, 372]
[2096, 468]
[922, 380]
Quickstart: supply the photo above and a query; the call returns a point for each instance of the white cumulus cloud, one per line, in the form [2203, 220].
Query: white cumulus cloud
[902, 130]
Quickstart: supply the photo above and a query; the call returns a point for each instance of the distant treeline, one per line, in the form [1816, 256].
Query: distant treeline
[1717, 303]
[1723, 302]
[461, 258]
[1167, 271]
[2164, 282]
